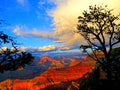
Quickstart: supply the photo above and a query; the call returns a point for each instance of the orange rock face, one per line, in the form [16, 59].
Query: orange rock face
[56, 73]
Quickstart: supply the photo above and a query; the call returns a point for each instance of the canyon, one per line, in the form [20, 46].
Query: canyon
[58, 73]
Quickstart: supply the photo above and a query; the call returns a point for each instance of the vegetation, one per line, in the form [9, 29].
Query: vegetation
[101, 30]
[11, 58]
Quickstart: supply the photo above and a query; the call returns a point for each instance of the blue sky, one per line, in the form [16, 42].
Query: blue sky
[27, 14]
[46, 24]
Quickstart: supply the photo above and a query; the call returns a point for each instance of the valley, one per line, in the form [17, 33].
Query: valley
[56, 71]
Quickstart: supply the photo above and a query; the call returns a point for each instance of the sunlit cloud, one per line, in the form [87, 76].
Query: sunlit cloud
[40, 49]
[65, 19]
[47, 48]
[59, 37]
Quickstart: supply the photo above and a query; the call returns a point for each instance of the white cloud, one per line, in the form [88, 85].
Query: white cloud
[22, 2]
[47, 48]
[41, 2]
[34, 32]
[41, 49]
[17, 31]
[65, 21]
[3, 49]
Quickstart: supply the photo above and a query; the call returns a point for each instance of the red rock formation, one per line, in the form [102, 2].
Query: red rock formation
[53, 75]
[47, 58]
[54, 63]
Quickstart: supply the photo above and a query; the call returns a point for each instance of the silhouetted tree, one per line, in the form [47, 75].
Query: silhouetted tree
[12, 58]
[101, 30]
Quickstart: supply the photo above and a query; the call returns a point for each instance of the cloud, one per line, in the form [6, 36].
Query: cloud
[70, 39]
[40, 49]
[22, 2]
[41, 2]
[47, 48]
[65, 17]
[34, 32]
[65, 21]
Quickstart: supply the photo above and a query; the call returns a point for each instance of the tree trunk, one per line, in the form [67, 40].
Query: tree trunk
[109, 76]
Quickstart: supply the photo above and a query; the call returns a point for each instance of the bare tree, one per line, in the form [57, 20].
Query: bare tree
[11, 58]
[101, 30]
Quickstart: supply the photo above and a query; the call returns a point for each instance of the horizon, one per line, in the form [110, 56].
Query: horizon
[49, 59]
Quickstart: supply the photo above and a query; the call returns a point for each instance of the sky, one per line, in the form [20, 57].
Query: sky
[47, 25]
